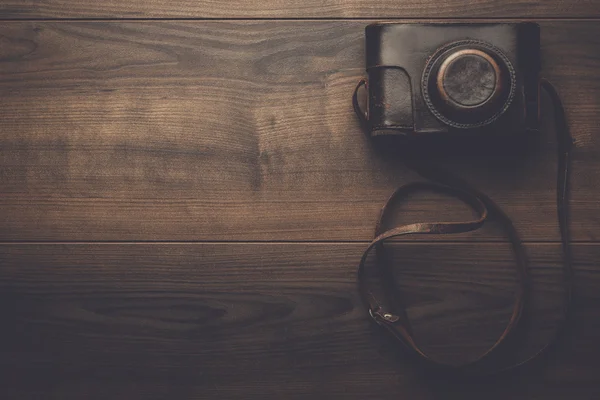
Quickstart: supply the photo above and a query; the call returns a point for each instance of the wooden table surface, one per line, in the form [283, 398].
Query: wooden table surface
[185, 194]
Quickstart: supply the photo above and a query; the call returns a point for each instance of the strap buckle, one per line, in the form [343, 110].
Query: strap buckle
[379, 316]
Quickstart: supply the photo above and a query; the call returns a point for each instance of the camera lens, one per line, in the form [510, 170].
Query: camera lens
[469, 78]
[468, 84]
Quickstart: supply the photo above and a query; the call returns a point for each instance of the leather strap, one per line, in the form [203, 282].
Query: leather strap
[395, 320]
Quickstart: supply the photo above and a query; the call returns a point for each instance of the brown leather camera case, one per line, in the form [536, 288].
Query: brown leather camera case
[428, 78]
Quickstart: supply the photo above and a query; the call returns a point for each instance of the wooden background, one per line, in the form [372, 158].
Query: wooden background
[185, 195]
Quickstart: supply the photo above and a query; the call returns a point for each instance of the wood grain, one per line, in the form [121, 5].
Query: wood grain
[273, 321]
[291, 9]
[241, 131]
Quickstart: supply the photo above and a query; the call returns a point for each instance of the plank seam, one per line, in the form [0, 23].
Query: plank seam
[303, 19]
[258, 242]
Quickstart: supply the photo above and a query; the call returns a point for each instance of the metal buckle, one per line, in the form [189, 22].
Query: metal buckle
[380, 317]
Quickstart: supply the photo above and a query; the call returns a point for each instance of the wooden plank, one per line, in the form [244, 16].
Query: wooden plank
[242, 131]
[290, 9]
[275, 321]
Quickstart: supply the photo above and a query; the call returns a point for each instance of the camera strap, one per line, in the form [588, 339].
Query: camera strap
[395, 320]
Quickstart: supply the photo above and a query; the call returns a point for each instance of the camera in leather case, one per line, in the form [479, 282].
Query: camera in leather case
[451, 78]
[427, 84]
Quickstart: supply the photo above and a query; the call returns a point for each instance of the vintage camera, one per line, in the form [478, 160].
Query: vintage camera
[451, 78]
[447, 90]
